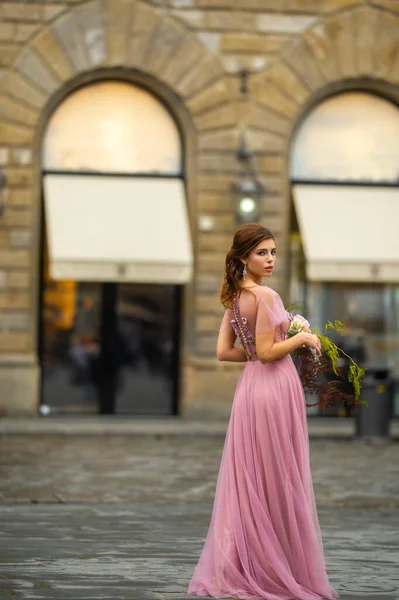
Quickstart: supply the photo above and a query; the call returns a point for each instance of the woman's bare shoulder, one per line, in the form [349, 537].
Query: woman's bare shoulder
[263, 291]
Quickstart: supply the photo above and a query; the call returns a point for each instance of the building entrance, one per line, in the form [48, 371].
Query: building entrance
[117, 253]
[109, 348]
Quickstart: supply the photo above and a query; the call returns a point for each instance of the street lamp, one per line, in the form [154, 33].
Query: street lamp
[246, 188]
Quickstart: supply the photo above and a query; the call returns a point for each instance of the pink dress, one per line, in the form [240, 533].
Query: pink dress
[264, 538]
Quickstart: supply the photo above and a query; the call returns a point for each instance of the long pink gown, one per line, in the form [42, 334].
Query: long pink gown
[264, 538]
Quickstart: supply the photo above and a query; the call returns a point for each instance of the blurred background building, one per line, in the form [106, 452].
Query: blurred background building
[135, 136]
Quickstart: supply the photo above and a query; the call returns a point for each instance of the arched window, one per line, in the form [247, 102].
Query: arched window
[113, 187]
[116, 248]
[112, 127]
[349, 137]
[344, 169]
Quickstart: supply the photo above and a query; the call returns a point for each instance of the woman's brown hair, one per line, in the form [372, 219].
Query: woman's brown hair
[246, 238]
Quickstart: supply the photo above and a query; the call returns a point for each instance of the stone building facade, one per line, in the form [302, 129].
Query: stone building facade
[190, 54]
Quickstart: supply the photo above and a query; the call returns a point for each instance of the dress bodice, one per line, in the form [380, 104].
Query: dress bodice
[257, 310]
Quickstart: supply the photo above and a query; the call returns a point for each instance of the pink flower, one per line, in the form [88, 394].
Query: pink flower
[298, 324]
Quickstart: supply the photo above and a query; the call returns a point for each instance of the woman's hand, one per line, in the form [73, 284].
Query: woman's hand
[311, 340]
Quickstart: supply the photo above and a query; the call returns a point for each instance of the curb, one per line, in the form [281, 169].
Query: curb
[324, 428]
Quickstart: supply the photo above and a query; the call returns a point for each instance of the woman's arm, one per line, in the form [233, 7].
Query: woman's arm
[225, 349]
[267, 350]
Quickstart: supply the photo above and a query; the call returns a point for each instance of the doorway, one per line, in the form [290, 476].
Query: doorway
[113, 275]
[109, 348]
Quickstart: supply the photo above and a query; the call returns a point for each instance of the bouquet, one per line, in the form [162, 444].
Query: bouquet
[320, 375]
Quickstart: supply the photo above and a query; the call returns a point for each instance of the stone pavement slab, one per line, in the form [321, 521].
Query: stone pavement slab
[125, 517]
[167, 469]
[122, 552]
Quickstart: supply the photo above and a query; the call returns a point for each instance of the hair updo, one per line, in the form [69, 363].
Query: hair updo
[246, 238]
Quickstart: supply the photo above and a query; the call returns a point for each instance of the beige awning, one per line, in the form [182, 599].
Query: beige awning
[112, 228]
[349, 233]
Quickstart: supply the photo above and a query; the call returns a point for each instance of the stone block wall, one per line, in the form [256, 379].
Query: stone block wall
[297, 52]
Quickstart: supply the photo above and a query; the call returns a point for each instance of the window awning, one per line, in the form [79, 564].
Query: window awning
[116, 228]
[349, 233]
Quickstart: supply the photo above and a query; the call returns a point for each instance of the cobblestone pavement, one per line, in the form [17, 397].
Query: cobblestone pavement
[124, 518]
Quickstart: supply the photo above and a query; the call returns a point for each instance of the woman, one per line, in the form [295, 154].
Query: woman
[264, 539]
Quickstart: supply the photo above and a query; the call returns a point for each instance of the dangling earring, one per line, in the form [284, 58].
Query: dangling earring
[244, 272]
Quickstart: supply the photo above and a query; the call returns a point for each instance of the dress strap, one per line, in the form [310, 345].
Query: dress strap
[245, 337]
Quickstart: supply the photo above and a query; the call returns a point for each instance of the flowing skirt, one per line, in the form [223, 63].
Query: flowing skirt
[264, 538]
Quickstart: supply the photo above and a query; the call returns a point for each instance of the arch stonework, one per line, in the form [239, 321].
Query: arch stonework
[342, 49]
[130, 34]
